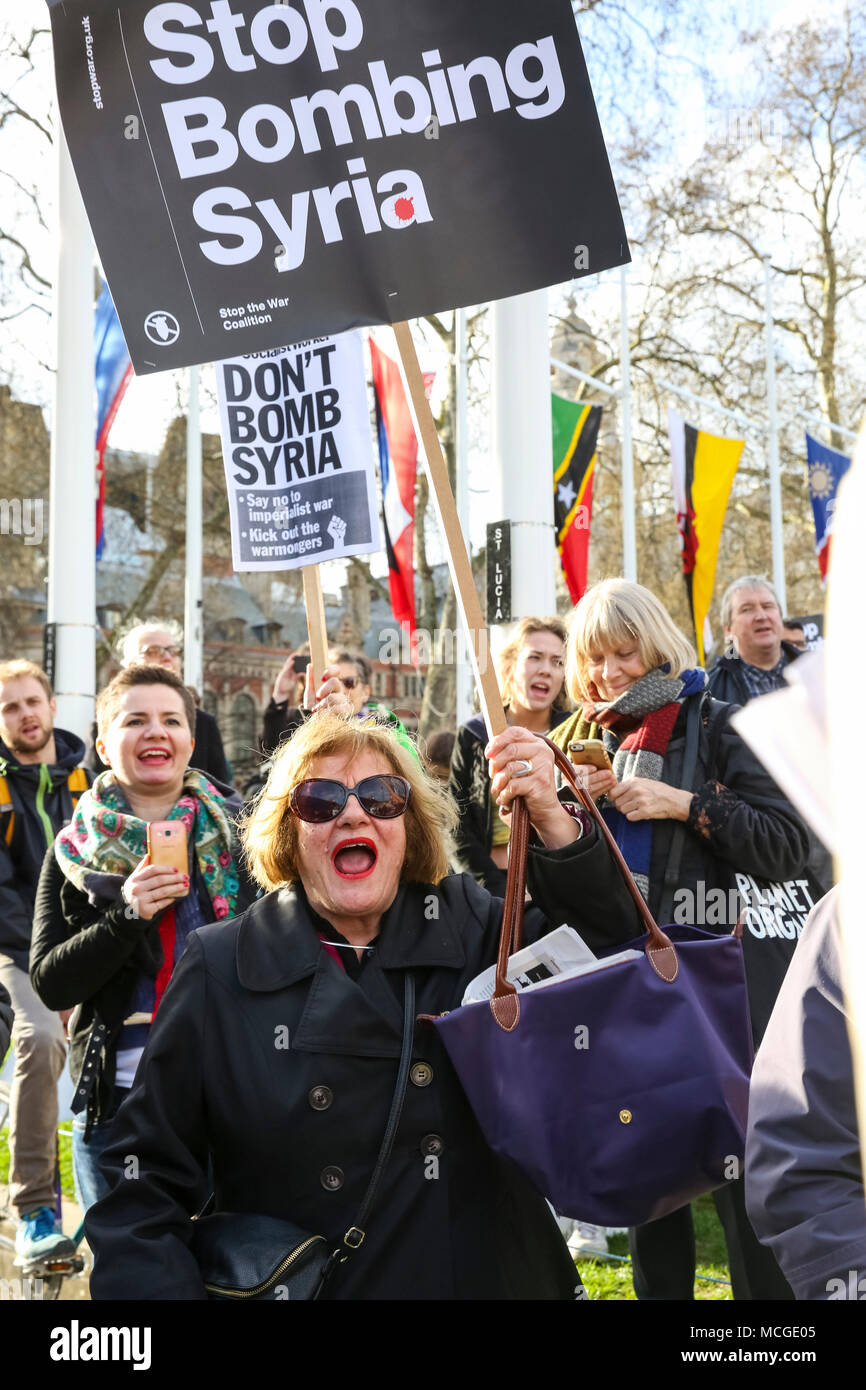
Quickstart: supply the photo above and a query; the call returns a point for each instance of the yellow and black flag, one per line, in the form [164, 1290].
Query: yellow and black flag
[575, 437]
[704, 466]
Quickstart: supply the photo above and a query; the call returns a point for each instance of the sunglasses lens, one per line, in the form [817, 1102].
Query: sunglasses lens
[318, 800]
[383, 797]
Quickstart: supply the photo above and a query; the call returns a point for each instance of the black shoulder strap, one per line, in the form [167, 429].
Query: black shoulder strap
[694, 716]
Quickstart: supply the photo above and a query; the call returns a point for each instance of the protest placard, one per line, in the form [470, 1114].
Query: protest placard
[298, 454]
[257, 174]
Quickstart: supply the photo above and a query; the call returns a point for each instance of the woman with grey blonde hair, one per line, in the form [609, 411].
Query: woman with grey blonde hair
[689, 806]
[275, 1051]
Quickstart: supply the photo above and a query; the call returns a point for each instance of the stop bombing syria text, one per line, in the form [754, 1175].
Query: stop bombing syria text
[203, 145]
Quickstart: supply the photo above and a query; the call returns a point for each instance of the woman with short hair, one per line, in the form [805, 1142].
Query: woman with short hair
[275, 1052]
[110, 926]
[638, 687]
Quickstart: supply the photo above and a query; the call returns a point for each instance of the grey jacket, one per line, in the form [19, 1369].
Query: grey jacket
[804, 1181]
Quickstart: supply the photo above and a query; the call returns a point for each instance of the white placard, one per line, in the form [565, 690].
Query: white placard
[298, 454]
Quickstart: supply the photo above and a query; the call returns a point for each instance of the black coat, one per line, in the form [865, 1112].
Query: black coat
[726, 680]
[739, 821]
[6, 1018]
[21, 860]
[208, 756]
[221, 1077]
[92, 955]
[470, 787]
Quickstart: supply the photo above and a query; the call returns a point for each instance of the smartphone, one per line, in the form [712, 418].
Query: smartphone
[166, 845]
[300, 664]
[590, 752]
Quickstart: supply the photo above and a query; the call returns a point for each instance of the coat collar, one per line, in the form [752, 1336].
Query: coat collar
[277, 944]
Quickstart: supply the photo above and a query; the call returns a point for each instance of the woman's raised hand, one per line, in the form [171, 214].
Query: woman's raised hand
[330, 695]
[151, 888]
[523, 765]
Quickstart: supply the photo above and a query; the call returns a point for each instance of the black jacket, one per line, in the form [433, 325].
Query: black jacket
[208, 756]
[89, 956]
[804, 1176]
[739, 822]
[6, 1018]
[470, 787]
[726, 681]
[277, 721]
[31, 787]
[220, 1077]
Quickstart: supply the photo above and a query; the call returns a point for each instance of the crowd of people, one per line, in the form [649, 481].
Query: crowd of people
[233, 1019]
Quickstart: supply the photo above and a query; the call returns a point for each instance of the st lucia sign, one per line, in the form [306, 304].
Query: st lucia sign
[257, 174]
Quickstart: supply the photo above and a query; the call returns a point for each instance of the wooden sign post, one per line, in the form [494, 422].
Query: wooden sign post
[314, 604]
[455, 545]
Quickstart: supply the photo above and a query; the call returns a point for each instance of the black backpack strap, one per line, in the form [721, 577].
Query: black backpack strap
[694, 716]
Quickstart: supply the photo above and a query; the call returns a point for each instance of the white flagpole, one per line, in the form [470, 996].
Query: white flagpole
[465, 681]
[773, 447]
[629, 547]
[521, 447]
[72, 512]
[192, 618]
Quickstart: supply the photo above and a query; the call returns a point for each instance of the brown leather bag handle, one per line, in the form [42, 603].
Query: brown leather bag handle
[660, 951]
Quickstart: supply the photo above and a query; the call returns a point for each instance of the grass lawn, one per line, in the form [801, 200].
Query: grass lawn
[613, 1280]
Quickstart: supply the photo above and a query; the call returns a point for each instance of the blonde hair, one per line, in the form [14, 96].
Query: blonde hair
[510, 652]
[615, 611]
[269, 830]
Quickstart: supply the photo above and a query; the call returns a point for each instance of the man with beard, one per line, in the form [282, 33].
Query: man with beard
[40, 781]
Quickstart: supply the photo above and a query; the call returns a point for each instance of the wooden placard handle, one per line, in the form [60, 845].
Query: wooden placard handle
[455, 546]
[314, 604]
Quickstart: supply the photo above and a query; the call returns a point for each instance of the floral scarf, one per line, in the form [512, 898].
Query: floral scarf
[104, 841]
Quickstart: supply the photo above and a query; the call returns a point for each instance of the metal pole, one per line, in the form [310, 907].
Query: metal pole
[465, 682]
[192, 617]
[629, 545]
[72, 510]
[773, 447]
[521, 489]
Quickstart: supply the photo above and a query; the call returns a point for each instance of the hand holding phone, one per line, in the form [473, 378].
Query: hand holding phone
[590, 751]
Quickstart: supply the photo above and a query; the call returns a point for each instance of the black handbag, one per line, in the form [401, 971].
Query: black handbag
[248, 1257]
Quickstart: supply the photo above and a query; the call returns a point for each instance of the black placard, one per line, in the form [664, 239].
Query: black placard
[499, 572]
[260, 174]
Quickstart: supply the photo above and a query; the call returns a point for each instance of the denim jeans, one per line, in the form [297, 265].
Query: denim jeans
[90, 1185]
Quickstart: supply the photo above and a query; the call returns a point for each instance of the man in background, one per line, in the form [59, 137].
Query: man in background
[757, 653]
[40, 782]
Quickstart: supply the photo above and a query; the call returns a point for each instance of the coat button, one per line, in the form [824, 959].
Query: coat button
[421, 1074]
[320, 1097]
[432, 1144]
[331, 1179]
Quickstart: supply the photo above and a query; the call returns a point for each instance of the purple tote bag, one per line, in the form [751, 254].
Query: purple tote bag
[622, 1094]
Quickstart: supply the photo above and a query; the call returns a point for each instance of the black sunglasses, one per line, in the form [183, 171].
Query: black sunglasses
[319, 799]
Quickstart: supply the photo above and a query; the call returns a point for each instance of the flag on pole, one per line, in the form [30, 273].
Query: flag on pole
[575, 439]
[703, 471]
[398, 465]
[113, 375]
[827, 467]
